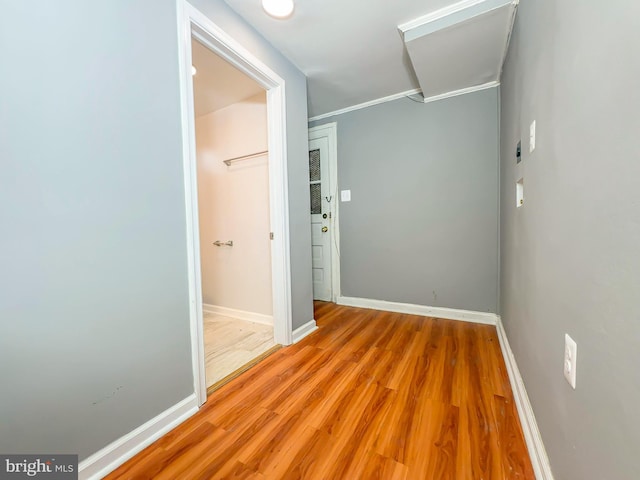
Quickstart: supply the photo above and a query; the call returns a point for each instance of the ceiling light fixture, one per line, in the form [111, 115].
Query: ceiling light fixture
[193, 70]
[278, 8]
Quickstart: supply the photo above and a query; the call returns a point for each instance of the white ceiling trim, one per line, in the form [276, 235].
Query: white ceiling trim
[370, 103]
[397, 96]
[462, 91]
[447, 11]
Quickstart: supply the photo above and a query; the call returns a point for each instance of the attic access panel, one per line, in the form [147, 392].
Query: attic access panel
[460, 47]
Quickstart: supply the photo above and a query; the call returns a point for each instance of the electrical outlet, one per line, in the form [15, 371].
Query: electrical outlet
[520, 193]
[570, 359]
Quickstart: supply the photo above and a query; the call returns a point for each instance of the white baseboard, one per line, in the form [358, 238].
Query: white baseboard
[306, 329]
[115, 454]
[239, 314]
[537, 452]
[426, 311]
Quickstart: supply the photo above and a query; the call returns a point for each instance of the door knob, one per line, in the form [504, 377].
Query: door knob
[325, 229]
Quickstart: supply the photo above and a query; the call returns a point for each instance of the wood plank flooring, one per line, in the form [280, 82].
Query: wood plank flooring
[229, 344]
[370, 395]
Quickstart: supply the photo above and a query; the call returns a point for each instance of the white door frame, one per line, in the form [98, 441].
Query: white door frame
[192, 22]
[329, 130]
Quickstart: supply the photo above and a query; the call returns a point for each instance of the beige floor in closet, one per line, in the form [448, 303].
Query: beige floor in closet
[229, 344]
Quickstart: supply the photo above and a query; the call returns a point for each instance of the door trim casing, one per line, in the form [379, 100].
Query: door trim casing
[193, 22]
[330, 131]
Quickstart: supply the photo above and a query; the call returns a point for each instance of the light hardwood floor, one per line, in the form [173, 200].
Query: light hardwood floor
[370, 395]
[229, 344]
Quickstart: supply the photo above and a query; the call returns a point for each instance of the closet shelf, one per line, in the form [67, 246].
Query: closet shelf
[244, 157]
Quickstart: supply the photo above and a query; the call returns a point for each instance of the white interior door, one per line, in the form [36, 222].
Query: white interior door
[321, 202]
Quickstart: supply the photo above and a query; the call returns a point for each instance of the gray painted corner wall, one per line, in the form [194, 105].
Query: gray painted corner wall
[94, 310]
[570, 256]
[422, 226]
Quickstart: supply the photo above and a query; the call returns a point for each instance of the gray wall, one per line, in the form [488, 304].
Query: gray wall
[571, 255]
[94, 318]
[422, 226]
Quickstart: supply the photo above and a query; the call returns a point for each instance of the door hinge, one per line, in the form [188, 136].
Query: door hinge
[271, 235]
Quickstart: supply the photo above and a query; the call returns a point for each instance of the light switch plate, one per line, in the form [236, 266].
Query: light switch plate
[532, 136]
[345, 195]
[570, 359]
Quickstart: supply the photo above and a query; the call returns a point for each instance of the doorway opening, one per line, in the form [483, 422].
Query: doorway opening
[233, 207]
[196, 32]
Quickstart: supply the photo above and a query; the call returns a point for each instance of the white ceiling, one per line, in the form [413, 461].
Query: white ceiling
[217, 83]
[350, 50]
